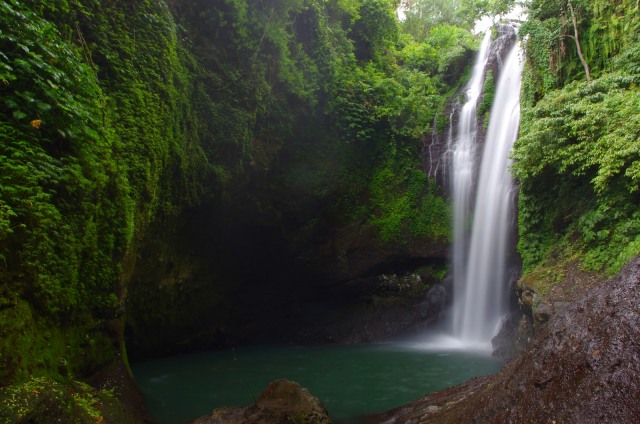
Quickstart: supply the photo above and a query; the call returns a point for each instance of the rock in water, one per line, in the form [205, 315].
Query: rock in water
[281, 402]
[582, 367]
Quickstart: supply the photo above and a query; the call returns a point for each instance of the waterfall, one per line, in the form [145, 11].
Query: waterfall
[463, 169]
[480, 282]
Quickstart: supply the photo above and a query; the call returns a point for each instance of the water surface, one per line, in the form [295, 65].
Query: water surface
[349, 380]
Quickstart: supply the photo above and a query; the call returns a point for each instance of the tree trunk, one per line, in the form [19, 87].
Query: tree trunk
[577, 40]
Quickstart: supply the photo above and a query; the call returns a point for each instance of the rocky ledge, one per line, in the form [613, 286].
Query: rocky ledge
[583, 366]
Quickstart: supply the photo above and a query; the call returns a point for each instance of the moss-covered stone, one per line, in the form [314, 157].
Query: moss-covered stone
[34, 345]
[41, 400]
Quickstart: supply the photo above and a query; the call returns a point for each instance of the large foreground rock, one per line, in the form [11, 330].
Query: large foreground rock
[282, 402]
[582, 367]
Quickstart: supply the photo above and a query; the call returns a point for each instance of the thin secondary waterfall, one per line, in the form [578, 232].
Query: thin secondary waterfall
[480, 288]
[463, 170]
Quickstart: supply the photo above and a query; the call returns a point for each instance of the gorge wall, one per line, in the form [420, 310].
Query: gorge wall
[580, 368]
[175, 172]
[192, 174]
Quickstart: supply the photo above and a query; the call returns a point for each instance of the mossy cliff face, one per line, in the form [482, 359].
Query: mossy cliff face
[320, 177]
[576, 159]
[99, 138]
[241, 279]
[193, 169]
[64, 221]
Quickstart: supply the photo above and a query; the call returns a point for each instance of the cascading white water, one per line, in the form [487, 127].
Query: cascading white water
[463, 170]
[480, 292]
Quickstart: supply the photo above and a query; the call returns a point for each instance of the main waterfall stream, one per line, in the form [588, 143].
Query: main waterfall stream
[463, 170]
[480, 267]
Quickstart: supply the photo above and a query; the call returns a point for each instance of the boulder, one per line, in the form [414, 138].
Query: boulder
[513, 336]
[282, 402]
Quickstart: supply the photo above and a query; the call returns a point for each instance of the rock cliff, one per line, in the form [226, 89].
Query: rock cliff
[582, 367]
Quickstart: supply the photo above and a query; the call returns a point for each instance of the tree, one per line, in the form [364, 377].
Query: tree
[375, 28]
[423, 15]
[481, 8]
[576, 38]
[555, 16]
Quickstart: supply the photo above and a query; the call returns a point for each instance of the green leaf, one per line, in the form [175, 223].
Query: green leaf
[43, 106]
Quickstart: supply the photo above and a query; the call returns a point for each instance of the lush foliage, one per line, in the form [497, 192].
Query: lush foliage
[420, 16]
[605, 30]
[400, 205]
[384, 109]
[87, 133]
[577, 158]
[342, 71]
[63, 205]
[118, 115]
[586, 138]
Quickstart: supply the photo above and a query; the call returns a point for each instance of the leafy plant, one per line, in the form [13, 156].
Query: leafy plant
[403, 204]
[580, 144]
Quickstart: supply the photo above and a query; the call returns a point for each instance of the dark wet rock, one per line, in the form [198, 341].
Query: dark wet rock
[436, 153]
[500, 48]
[538, 308]
[527, 298]
[502, 342]
[281, 402]
[382, 308]
[524, 333]
[583, 366]
[117, 379]
[437, 298]
[559, 306]
[542, 312]
[513, 336]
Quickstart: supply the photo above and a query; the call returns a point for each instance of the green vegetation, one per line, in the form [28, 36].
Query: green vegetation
[401, 207]
[423, 15]
[577, 158]
[42, 400]
[63, 222]
[118, 116]
[488, 93]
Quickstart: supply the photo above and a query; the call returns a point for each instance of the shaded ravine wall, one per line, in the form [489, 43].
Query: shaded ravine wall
[181, 195]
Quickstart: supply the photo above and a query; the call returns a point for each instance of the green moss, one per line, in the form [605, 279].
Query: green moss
[543, 278]
[98, 112]
[488, 93]
[34, 345]
[43, 400]
[405, 205]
